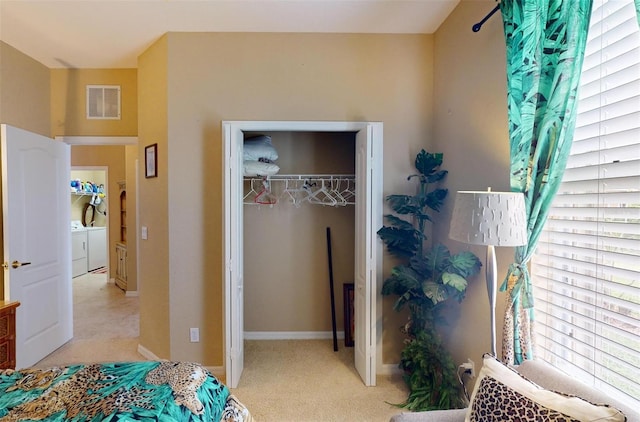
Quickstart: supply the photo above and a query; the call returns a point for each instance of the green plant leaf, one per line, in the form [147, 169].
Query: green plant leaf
[421, 266]
[437, 259]
[401, 301]
[437, 176]
[398, 222]
[435, 291]
[465, 264]
[403, 204]
[430, 374]
[435, 199]
[400, 242]
[454, 280]
[423, 217]
[427, 163]
[402, 280]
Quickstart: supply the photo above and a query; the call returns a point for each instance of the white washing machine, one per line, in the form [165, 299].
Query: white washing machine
[97, 247]
[79, 249]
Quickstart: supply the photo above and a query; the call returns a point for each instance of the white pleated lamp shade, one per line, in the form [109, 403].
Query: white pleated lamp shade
[489, 218]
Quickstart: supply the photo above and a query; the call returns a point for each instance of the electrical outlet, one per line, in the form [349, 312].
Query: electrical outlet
[469, 368]
[194, 335]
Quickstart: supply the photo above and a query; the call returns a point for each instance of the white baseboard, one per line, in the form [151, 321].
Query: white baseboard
[147, 353]
[131, 293]
[291, 335]
[217, 371]
[389, 369]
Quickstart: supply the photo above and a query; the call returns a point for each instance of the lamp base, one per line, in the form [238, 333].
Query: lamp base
[492, 285]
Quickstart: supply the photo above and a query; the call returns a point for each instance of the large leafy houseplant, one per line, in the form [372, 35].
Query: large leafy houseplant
[425, 282]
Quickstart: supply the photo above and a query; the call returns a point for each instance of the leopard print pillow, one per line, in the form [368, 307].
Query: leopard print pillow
[501, 394]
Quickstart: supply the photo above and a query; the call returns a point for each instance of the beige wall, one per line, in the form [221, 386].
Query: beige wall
[24, 91]
[213, 77]
[68, 102]
[153, 284]
[471, 129]
[24, 99]
[131, 158]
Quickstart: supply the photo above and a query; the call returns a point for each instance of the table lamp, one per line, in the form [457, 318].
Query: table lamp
[491, 219]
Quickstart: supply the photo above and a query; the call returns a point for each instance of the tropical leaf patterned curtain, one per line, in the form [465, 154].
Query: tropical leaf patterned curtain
[545, 42]
[638, 10]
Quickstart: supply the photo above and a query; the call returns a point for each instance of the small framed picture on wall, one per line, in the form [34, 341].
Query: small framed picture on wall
[151, 161]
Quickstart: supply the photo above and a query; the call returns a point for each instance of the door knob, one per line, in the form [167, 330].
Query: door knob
[15, 264]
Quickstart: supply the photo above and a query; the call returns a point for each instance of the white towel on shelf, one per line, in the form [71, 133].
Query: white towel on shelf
[258, 168]
[259, 148]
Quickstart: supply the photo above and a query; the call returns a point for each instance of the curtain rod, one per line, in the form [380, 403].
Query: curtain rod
[477, 26]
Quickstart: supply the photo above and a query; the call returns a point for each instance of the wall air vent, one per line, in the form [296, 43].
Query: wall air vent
[103, 102]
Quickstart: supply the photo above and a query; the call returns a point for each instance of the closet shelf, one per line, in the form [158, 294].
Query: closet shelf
[81, 194]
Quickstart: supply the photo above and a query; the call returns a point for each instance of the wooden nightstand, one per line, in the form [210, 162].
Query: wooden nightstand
[8, 334]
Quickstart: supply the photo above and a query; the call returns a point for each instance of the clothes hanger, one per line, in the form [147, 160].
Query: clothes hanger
[296, 191]
[322, 196]
[349, 191]
[265, 197]
[335, 191]
[252, 192]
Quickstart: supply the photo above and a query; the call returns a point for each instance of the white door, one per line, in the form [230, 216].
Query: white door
[234, 296]
[368, 220]
[35, 212]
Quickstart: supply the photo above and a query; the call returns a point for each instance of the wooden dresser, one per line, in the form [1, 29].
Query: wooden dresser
[8, 334]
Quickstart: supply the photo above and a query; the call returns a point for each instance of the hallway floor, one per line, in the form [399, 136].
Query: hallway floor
[105, 324]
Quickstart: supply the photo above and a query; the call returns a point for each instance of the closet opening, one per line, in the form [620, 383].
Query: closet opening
[277, 276]
[286, 277]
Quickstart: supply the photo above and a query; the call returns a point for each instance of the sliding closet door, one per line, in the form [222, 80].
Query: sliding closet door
[368, 220]
[234, 284]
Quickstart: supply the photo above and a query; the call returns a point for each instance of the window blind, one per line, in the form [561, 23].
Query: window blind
[586, 269]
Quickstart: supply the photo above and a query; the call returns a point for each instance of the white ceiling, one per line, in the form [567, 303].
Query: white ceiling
[112, 33]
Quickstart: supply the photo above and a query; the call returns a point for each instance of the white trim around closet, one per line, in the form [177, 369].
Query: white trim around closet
[232, 133]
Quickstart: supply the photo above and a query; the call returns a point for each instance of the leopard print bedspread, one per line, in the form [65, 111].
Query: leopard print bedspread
[177, 391]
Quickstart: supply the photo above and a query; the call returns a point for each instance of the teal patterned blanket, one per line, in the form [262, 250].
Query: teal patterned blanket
[122, 391]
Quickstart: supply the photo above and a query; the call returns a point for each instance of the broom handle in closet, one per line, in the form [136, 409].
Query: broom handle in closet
[333, 301]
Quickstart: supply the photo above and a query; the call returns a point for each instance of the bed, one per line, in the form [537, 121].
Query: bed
[121, 391]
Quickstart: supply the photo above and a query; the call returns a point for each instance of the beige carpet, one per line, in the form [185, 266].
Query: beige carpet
[105, 324]
[284, 381]
[306, 381]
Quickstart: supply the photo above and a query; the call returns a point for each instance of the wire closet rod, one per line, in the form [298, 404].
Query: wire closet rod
[308, 176]
[323, 189]
[477, 26]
